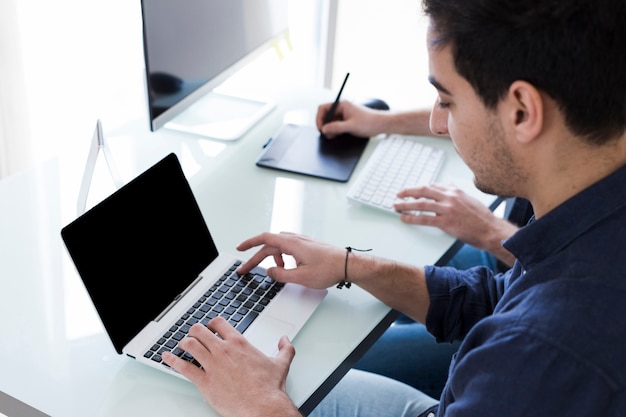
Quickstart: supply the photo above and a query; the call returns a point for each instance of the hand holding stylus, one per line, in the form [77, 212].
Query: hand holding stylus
[331, 113]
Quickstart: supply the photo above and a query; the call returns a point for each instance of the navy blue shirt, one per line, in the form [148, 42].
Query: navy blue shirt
[548, 337]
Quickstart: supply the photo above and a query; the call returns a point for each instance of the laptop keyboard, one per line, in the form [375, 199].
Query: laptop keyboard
[397, 163]
[237, 298]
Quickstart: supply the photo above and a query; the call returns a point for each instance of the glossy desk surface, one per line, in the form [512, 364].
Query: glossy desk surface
[54, 354]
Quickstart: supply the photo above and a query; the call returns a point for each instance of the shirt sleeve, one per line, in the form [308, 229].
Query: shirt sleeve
[459, 299]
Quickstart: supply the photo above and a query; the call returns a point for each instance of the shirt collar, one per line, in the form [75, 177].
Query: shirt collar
[550, 233]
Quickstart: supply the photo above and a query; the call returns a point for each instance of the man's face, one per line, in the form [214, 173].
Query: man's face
[476, 131]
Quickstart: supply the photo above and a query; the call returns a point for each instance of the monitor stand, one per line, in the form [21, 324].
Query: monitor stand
[97, 144]
[220, 116]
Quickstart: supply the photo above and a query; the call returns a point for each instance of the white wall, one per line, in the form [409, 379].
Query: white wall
[14, 124]
[66, 63]
[382, 43]
[81, 60]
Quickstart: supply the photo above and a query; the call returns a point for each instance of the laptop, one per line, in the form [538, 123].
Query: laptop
[152, 270]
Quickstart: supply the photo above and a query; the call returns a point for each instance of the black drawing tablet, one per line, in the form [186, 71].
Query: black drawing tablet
[302, 150]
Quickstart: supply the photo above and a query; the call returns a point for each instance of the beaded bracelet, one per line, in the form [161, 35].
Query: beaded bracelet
[345, 282]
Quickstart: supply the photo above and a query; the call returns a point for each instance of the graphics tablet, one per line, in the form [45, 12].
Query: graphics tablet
[302, 150]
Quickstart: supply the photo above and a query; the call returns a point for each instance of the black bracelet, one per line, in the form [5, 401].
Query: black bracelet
[345, 282]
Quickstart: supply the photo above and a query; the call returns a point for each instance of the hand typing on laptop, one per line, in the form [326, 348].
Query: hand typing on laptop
[220, 379]
[222, 357]
[201, 280]
[319, 265]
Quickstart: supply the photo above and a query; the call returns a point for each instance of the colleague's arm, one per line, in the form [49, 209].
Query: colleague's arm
[453, 211]
[320, 265]
[363, 121]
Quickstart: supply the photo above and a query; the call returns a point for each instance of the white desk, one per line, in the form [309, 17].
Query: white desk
[53, 352]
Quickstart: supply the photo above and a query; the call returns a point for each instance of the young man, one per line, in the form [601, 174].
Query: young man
[533, 94]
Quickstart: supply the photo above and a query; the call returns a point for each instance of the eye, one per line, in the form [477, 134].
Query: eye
[442, 104]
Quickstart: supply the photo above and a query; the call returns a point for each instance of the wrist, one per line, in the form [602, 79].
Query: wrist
[493, 243]
[346, 280]
[380, 122]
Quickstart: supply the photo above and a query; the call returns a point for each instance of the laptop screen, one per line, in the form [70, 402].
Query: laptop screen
[140, 248]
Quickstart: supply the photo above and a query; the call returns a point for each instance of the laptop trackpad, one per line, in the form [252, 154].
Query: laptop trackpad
[265, 333]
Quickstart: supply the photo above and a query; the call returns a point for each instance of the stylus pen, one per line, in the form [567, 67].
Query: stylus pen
[331, 113]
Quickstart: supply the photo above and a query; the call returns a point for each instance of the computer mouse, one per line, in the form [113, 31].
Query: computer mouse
[375, 103]
[164, 83]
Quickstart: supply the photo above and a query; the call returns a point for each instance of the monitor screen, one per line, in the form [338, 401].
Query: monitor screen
[191, 47]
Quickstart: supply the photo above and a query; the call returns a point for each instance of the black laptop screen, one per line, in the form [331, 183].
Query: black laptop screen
[139, 248]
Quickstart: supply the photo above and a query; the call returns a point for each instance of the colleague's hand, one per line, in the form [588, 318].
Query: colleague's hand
[350, 118]
[236, 378]
[460, 215]
[318, 265]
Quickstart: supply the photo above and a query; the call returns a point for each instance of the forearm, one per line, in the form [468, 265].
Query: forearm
[405, 123]
[280, 405]
[400, 286]
[272, 404]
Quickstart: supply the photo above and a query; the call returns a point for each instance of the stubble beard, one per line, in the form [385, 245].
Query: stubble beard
[500, 173]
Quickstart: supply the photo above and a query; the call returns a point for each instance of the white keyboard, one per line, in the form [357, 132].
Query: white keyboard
[397, 163]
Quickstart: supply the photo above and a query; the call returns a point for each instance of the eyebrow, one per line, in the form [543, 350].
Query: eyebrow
[438, 85]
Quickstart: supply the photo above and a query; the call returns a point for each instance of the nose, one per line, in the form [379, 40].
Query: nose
[439, 120]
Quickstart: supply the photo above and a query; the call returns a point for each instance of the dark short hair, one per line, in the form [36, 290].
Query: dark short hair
[573, 50]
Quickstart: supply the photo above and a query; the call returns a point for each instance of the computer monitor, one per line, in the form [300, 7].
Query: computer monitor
[193, 46]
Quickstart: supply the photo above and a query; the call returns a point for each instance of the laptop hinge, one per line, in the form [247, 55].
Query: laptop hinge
[177, 298]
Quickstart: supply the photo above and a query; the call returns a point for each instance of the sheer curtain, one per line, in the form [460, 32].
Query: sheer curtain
[383, 46]
[15, 141]
[63, 65]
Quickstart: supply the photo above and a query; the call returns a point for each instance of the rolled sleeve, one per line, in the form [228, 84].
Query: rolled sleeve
[459, 299]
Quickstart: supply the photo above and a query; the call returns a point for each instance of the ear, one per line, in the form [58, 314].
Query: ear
[525, 109]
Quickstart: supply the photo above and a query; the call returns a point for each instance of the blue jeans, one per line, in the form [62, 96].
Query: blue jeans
[404, 371]
[365, 394]
[408, 353]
